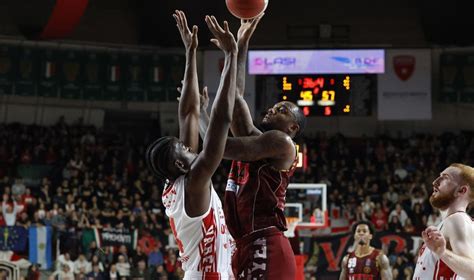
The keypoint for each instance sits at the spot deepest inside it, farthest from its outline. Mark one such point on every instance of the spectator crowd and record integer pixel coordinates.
(86, 178)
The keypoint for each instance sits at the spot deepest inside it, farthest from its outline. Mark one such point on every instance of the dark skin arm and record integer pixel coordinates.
(198, 183)
(274, 145)
(242, 123)
(188, 111)
(204, 116)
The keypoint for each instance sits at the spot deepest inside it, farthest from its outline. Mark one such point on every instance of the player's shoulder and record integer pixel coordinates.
(458, 218)
(172, 192)
(345, 258)
(380, 253)
(277, 138)
(277, 135)
(382, 259)
(456, 224)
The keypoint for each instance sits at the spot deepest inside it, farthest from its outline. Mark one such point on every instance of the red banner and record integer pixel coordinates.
(65, 17)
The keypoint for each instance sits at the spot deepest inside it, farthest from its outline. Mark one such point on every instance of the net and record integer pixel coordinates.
(291, 223)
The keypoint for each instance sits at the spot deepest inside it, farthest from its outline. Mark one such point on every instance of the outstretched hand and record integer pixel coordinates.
(189, 38)
(223, 38)
(247, 27)
(434, 240)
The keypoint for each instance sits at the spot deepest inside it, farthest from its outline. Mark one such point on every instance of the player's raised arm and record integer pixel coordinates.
(242, 123)
(221, 116)
(204, 116)
(188, 110)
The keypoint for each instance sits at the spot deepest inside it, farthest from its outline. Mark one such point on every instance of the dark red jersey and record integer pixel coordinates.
(365, 268)
(255, 197)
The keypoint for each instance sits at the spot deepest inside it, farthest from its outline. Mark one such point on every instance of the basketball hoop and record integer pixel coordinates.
(291, 223)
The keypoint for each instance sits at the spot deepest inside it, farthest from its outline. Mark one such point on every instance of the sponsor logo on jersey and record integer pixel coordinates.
(232, 186)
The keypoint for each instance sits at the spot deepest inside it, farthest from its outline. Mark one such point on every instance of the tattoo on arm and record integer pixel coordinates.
(385, 269)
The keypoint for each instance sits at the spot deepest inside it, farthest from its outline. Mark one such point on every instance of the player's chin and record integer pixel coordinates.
(266, 124)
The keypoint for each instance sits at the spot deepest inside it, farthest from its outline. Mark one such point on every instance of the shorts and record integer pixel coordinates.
(199, 275)
(265, 254)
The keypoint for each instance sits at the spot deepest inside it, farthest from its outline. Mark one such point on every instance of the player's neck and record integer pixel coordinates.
(455, 207)
(363, 250)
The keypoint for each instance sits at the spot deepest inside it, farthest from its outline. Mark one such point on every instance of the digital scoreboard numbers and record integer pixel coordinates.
(328, 95)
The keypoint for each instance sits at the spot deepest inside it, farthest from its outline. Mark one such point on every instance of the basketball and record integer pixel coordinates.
(246, 9)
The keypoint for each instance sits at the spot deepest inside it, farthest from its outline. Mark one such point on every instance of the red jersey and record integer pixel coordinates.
(255, 197)
(379, 221)
(365, 268)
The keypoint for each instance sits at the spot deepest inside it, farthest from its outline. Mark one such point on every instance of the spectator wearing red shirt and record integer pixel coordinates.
(27, 198)
(171, 262)
(379, 219)
(25, 157)
(51, 156)
(2, 220)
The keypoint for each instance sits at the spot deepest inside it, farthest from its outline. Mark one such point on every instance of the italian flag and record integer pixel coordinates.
(114, 73)
(89, 235)
(49, 69)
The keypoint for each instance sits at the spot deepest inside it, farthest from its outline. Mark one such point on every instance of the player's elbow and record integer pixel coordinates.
(223, 113)
(185, 111)
(231, 149)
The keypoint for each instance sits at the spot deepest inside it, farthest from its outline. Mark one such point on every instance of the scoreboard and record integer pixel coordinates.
(326, 82)
(329, 95)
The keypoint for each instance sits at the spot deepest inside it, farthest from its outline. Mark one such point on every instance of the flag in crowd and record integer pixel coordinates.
(40, 248)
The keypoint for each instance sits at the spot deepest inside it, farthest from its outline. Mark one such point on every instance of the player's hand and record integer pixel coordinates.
(356, 241)
(434, 240)
(247, 27)
(223, 38)
(204, 99)
(190, 39)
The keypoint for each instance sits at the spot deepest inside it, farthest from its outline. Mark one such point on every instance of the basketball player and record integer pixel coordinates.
(263, 162)
(195, 211)
(448, 249)
(365, 262)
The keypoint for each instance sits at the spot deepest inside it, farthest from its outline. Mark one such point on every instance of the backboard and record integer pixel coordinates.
(306, 204)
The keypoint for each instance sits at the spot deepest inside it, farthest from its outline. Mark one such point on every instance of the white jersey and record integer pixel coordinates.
(428, 266)
(205, 245)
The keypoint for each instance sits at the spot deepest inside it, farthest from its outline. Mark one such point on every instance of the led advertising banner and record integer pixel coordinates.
(287, 62)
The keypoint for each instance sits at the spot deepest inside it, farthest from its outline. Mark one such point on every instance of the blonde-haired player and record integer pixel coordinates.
(448, 249)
